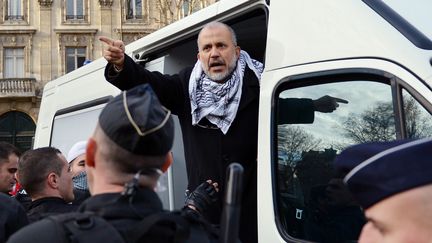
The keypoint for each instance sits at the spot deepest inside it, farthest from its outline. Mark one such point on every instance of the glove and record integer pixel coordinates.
(203, 197)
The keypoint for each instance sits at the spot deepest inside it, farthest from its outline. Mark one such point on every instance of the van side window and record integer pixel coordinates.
(312, 201)
(71, 127)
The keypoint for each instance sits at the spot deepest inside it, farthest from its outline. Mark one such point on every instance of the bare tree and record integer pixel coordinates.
(293, 141)
(417, 125)
(378, 124)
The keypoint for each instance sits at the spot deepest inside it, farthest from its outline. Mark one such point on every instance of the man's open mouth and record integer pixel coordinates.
(216, 64)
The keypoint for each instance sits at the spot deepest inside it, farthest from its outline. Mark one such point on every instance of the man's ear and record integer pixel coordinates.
(168, 161)
(237, 51)
(198, 56)
(90, 152)
(52, 180)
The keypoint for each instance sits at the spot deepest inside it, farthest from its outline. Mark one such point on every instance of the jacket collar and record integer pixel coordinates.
(114, 205)
(47, 201)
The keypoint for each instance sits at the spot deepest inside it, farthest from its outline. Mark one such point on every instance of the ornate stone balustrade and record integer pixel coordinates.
(18, 87)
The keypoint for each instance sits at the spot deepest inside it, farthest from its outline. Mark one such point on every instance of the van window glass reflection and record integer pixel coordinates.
(418, 123)
(313, 202)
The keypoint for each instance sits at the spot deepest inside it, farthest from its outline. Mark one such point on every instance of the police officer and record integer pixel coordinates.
(128, 151)
(392, 182)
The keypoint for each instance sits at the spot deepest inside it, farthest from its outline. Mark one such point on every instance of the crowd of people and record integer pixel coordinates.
(103, 190)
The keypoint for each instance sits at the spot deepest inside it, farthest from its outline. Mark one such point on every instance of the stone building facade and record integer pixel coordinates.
(41, 40)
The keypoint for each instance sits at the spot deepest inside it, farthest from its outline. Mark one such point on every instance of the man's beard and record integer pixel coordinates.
(223, 76)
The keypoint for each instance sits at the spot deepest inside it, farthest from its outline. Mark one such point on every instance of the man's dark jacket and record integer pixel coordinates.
(47, 206)
(12, 216)
(208, 151)
(23, 198)
(120, 212)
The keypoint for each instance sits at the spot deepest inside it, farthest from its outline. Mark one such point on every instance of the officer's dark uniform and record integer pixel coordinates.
(43, 207)
(135, 108)
(12, 216)
(122, 215)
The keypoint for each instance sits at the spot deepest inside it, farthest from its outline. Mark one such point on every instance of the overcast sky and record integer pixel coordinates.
(328, 126)
(417, 12)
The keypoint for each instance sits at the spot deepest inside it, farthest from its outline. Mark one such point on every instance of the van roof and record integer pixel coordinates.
(334, 30)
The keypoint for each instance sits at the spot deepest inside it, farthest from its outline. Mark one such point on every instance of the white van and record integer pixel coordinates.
(360, 51)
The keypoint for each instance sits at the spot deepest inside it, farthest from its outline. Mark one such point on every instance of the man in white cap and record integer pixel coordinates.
(76, 159)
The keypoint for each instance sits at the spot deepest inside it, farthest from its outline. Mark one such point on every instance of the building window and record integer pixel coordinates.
(134, 9)
(75, 57)
(75, 48)
(75, 10)
(14, 10)
(14, 62)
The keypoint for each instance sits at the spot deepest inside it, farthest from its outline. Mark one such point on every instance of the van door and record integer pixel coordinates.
(308, 201)
(172, 197)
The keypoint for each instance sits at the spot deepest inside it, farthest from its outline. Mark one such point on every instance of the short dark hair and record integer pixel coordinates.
(35, 165)
(6, 149)
(124, 161)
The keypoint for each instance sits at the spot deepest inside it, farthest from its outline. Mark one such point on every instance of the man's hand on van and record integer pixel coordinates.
(114, 54)
(203, 197)
(328, 103)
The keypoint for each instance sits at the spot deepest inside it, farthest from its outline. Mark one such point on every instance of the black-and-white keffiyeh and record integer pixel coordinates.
(219, 102)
